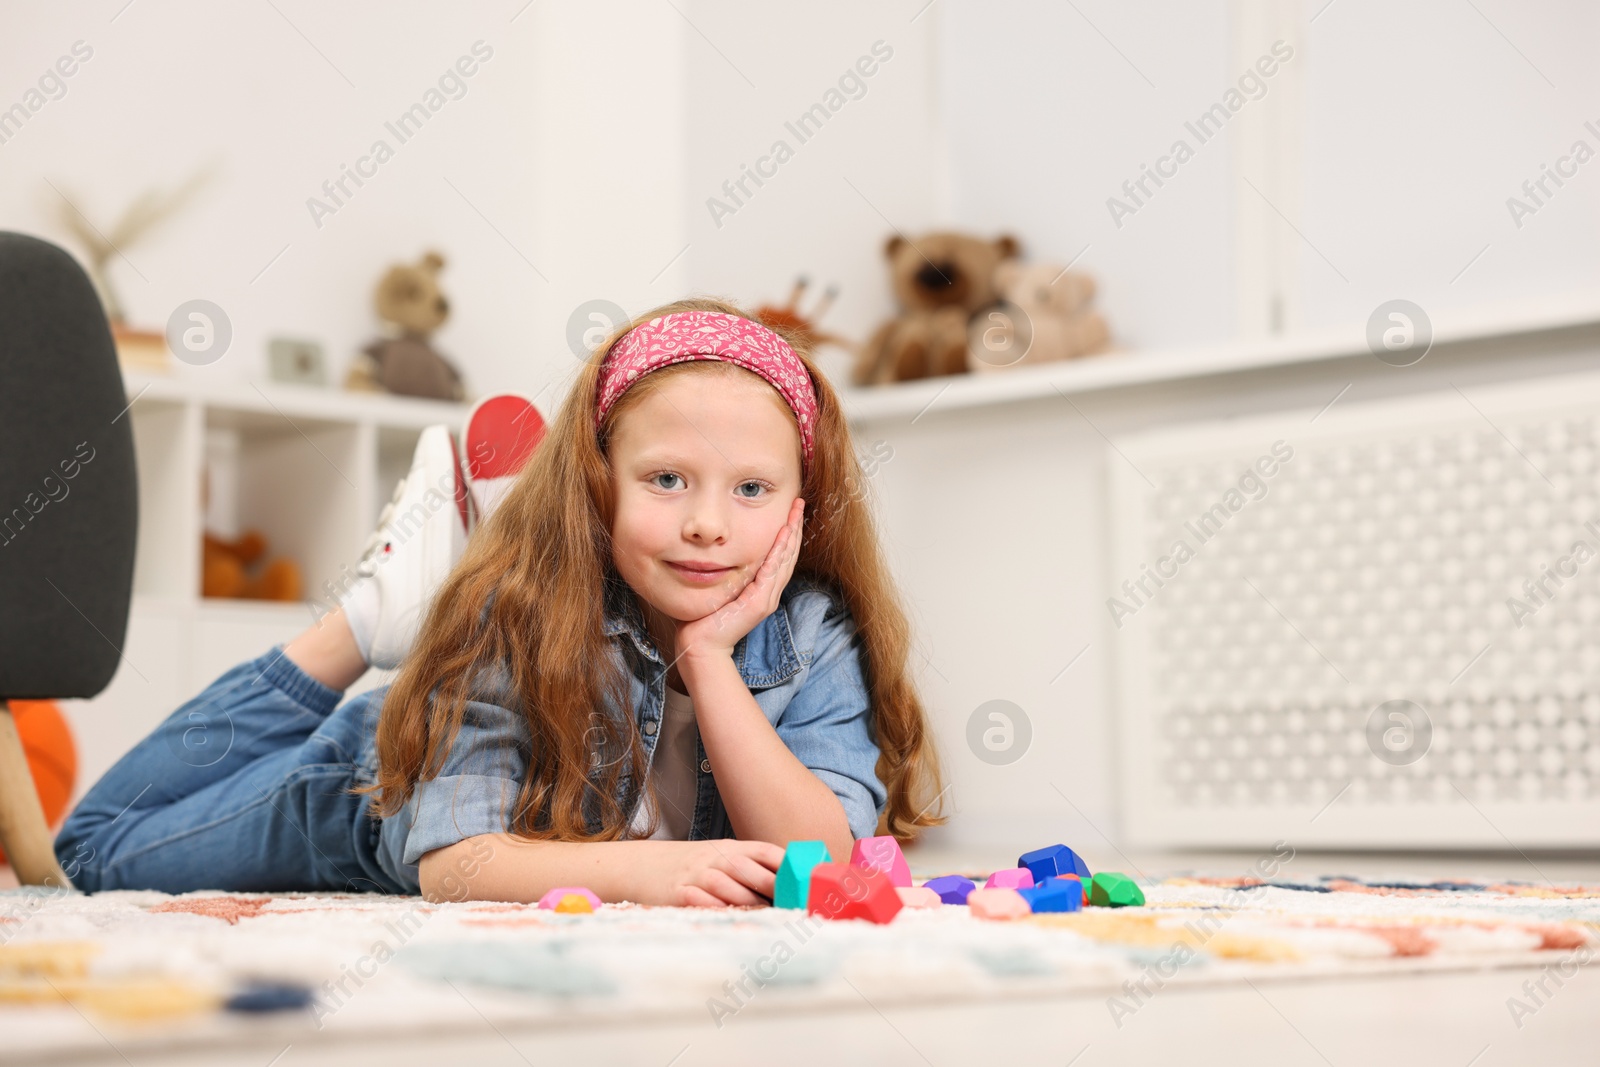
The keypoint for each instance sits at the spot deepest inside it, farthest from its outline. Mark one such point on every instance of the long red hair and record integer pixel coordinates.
(542, 565)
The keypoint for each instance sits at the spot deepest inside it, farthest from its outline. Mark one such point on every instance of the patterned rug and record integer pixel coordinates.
(154, 969)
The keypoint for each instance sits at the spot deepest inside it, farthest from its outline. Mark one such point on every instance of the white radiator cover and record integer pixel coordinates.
(1383, 559)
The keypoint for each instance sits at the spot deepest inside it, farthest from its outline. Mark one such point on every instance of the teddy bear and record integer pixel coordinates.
(941, 280)
(223, 570)
(411, 307)
(1044, 315)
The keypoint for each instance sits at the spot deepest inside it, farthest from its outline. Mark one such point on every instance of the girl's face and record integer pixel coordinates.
(704, 471)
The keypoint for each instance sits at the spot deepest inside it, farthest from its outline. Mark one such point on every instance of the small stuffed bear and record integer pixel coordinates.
(941, 280)
(223, 570)
(409, 303)
(1044, 315)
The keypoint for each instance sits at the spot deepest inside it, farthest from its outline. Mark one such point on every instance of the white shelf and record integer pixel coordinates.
(1121, 369)
(280, 400)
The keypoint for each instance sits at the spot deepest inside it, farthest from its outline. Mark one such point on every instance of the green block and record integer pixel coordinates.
(1112, 890)
(794, 873)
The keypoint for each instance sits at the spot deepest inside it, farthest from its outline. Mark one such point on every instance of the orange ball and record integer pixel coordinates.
(52, 757)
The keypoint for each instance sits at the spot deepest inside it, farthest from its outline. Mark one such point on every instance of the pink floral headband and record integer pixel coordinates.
(686, 335)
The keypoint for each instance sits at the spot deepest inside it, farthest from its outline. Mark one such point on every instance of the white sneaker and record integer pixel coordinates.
(421, 533)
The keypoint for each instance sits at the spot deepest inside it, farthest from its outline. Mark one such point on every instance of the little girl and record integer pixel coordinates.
(671, 648)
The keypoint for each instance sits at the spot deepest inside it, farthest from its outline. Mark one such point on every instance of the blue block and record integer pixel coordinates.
(1045, 863)
(952, 888)
(259, 997)
(794, 873)
(1056, 894)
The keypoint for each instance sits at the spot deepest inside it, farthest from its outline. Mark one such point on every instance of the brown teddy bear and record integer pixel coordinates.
(224, 574)
(1044, 315)
(409, 303)
(941, 280)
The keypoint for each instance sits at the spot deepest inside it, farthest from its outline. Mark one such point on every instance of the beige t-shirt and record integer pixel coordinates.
(672, 769)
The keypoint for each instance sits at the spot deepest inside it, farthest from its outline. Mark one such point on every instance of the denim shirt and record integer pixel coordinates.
(803, 664)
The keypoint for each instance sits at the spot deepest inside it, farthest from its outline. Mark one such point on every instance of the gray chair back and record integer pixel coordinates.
(69, 495)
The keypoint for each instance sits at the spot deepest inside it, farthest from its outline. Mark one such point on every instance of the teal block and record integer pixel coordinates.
(794, 873)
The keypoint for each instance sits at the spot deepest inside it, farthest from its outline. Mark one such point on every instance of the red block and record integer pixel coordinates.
(842, 891)
(1080, 881)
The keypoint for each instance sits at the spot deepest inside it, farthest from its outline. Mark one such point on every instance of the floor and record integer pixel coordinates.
(1455, 1019)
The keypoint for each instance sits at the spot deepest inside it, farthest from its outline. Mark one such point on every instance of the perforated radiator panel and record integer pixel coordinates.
(1377, 625)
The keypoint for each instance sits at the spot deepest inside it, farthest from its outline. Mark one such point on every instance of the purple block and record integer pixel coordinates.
(952, 888)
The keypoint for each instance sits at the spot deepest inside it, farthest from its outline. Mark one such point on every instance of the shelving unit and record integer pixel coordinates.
(309, 467)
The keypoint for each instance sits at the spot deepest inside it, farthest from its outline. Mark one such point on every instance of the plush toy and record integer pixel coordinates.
(941, 280)
(411, 307)
(52, 757)
(1044, 315)
(225, 570)
(790, 317)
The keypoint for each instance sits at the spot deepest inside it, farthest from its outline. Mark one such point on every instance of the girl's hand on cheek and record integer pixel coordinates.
(717, 874)
(717, 633)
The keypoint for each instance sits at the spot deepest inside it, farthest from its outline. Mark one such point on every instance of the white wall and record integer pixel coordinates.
(516, 182)
(1415, 124)
(1047, 120)
(876, 165)
(1422, 119)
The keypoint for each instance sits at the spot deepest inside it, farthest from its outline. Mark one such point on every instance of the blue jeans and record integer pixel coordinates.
(242, 788)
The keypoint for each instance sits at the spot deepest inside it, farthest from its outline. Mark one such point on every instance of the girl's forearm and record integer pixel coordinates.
(768, 793)
(501, 867)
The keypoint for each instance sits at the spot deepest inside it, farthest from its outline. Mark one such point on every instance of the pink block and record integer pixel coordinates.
(998, 904)
(552, 898)
(919, 897)
(882, 854)
(1010, 878)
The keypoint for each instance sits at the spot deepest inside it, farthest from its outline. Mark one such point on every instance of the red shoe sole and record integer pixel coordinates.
(501, 434)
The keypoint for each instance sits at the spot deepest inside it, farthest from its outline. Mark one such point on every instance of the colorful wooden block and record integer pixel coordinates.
(882, 854)
(574, 904)
(794, 873)
(553, 900)
(952, 888)
(1052, 860)
(918, 897)
(1010, 878)
(1053, 894)
(1083, 884)
(1112, 890)
(1000, 903)
(844, 891)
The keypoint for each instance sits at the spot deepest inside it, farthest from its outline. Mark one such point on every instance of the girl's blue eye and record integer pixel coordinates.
(760, 486)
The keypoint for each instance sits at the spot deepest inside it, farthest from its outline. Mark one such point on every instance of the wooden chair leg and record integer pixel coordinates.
(24, 833)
